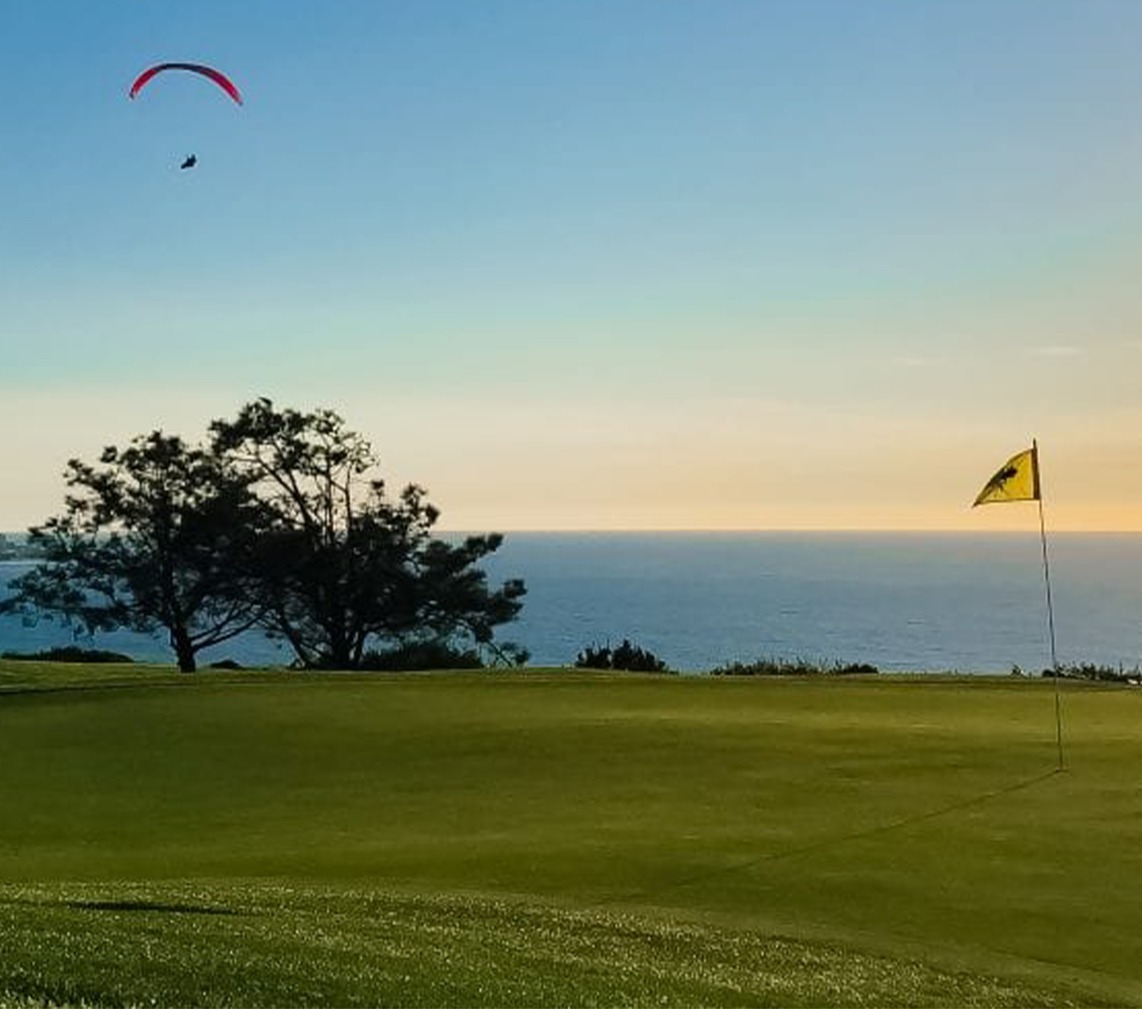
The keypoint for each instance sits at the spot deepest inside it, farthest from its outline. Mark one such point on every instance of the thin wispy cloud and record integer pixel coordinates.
(919, 361)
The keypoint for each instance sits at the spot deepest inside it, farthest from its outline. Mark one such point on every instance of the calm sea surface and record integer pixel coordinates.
(902, 601)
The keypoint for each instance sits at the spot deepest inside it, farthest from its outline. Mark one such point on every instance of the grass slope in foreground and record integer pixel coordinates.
(566, 839)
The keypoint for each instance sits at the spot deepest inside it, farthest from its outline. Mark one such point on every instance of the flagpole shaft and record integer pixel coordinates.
(1051, 628)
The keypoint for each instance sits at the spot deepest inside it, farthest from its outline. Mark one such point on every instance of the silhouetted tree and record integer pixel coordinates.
(156, 535)
(340, 566)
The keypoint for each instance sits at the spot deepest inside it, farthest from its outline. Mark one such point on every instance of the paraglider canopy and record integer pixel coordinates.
(217, 76)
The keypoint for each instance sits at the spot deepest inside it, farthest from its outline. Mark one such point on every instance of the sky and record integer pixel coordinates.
(682, 264)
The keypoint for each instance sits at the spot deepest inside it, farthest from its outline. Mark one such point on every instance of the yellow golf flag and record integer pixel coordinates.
(1017, 480)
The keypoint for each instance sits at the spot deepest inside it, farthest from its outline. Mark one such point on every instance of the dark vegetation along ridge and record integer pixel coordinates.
(626, 657)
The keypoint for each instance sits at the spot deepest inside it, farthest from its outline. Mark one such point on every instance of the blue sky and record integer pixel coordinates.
(591, 265)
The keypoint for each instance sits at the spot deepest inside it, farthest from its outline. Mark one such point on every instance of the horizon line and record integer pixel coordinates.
(737, 530)
(943, 530)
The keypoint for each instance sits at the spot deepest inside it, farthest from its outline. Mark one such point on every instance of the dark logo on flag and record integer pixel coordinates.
(1003, 476)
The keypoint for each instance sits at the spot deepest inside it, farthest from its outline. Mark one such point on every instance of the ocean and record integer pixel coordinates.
(972, 603)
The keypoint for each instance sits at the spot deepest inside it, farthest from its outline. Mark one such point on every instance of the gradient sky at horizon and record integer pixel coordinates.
(573, 265)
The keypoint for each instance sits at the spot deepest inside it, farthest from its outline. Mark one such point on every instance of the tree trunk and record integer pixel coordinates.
(184, 650)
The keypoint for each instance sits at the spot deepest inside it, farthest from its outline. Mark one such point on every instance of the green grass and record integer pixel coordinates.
(556, 838)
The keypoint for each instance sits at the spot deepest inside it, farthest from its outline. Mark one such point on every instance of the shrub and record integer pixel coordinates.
(854, 669)
(627, 657)
(593, 657)
(793, 667)
(1093, 671)
(68, 653)
(420, 655)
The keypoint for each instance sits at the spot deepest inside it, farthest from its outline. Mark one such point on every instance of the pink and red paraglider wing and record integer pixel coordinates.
(217, 76)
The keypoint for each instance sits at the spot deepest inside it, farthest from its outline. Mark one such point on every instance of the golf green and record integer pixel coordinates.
(452, 838)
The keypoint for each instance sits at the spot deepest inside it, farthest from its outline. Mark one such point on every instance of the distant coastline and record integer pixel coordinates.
(15, 547)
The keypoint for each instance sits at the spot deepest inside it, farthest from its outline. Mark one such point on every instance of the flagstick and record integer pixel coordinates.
(1051, 626)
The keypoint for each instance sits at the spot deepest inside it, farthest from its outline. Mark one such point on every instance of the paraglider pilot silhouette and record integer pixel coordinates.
(190, 162)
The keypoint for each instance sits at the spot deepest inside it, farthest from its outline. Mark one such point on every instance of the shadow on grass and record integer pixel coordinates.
(152, 906)
(146, 905)
(833, 842)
